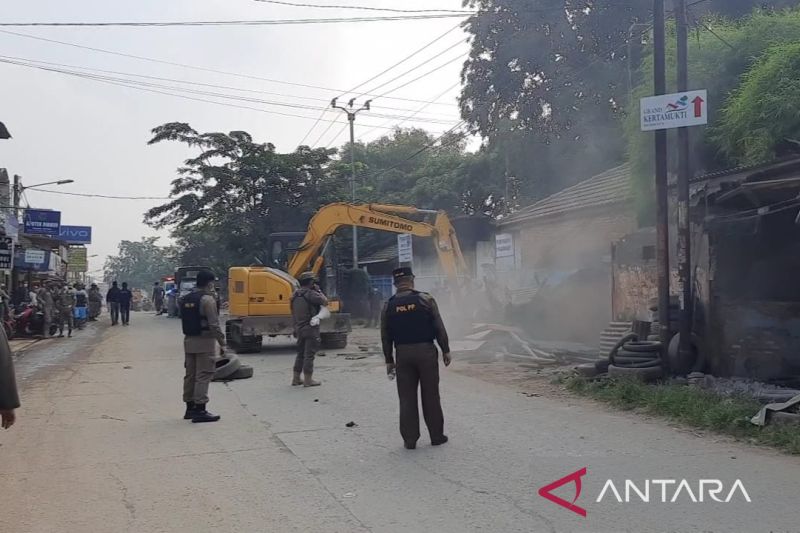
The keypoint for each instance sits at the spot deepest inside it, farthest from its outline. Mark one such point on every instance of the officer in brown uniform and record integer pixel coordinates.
(306, 303)
(410, 322)
(200, 323)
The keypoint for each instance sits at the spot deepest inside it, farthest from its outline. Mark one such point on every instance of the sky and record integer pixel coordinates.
(67, 127)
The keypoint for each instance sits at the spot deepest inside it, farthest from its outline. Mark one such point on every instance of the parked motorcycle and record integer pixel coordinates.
(29, 322)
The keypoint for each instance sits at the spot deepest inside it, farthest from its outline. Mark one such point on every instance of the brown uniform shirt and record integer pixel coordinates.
(208, 339)
(306, 302)
(441, 333)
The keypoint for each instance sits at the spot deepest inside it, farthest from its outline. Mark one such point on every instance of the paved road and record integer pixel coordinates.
(100, 446)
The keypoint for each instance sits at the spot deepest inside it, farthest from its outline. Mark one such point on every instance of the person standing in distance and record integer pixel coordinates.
(306, 303)
(202, 334)
(410, 322)
(112, 299)
(125, 297)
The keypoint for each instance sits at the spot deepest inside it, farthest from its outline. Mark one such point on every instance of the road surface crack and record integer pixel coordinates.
(125, 500)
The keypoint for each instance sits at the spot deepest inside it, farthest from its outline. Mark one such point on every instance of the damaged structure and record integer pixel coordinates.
(746, 240)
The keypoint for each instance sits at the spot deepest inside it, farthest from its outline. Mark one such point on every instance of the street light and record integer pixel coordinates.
(19, 188)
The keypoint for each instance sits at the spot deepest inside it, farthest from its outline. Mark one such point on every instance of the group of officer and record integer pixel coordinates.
(61, 304)
(410, 324)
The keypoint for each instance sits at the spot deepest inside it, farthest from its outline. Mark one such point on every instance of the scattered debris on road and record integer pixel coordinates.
(351, 424)
(787, 412)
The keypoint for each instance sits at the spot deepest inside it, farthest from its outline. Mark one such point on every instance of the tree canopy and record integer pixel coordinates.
(141, 263)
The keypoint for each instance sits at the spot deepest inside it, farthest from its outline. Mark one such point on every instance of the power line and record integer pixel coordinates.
(408, 57)
(417, 67)
(415, 113)
(191, 67)
(192, 82)
(107, 196)
(313, 126)
(151, 87)
(428, 73)
(365, 8)
(336, 137)
(275, 22)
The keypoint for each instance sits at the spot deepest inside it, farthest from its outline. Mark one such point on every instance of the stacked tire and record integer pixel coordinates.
(637, 359)
(230, 368)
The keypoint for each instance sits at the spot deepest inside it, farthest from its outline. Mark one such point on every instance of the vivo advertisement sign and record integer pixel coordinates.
(42, 222)
(76, 234)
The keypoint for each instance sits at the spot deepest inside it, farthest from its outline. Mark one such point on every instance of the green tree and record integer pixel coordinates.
(140, 263)
(236, 192)
(717, 62)
(762, 113)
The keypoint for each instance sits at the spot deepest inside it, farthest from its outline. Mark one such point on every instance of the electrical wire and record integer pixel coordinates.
(417, 67)
(195, 23)
(415, 113)
(181, 91)
(407, 58)
(106, 196)
(191, 67)
(426, 74)
(365, 8)
(336, 137)
(194, 83)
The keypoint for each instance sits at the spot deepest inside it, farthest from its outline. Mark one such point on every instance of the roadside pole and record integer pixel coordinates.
(662, 212)
(684, 171)
(351, 117)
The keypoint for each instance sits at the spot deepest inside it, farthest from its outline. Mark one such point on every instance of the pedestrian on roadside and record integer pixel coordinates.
(9, 398)
(202, 333)
(66, 309)
(306, 303)
(112, 299)
(410, 323)
(125, 299)
(81, 305)
(95, 302)
(33, 298)
(375, 308)
(47, 303)
(158, 298)
(5, 302)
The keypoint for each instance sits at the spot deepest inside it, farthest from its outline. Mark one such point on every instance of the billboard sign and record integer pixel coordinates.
(76, 234)
(78, 260)
(6, 253)
(504, 245)
(42, 222)
(405, 250)
(678, 110)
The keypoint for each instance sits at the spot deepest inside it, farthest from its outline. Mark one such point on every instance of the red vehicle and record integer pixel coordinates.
(28, 322)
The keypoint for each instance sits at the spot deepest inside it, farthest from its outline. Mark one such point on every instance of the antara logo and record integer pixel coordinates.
(649, 491)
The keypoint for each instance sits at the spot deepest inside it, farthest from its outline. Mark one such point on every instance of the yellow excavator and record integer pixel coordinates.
(259, 296)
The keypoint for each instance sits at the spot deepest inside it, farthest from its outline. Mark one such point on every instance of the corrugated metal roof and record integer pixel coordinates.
(610, 187)
(386, 254)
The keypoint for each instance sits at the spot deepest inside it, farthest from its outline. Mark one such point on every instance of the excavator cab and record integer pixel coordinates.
(282, 247)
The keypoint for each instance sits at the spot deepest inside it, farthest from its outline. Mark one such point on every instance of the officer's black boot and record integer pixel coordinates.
(438, 441)
(190, 409)
(200, 415)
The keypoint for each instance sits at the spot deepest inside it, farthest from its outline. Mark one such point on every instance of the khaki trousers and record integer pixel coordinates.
(418, 369)
(200, 369)
(307, 346)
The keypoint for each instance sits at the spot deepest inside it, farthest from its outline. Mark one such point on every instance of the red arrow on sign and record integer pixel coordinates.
(698, 106)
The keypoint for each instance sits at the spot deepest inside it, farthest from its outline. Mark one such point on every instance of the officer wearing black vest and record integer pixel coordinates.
(202, 334)
(410, 322)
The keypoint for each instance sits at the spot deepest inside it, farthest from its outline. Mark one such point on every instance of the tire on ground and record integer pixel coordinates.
(642, 346)
(333, 341)
(243, 372)
(226, 367)
(644, 374)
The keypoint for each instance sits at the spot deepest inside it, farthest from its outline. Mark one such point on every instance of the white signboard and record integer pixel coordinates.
(34, 257)
(504, 245)
(677, 110)
(405, 250)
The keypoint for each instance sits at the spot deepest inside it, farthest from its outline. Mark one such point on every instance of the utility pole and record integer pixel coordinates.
(351, 117)
(684, 171)
(662, 211)
(16, 194)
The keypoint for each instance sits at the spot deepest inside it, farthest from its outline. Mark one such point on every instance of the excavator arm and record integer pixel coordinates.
(380, 217)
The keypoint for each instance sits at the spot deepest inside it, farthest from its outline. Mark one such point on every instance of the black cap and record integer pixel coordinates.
(402, 272)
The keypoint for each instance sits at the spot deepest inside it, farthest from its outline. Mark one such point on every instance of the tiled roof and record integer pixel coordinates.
(610, 187)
